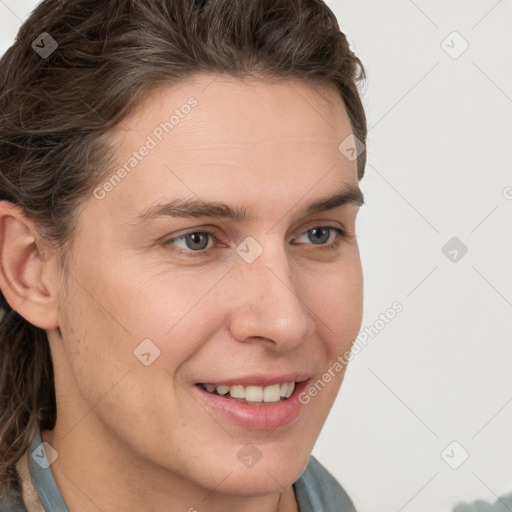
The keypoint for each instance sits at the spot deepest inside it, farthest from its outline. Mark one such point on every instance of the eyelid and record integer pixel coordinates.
(323, 224)
(213, 230)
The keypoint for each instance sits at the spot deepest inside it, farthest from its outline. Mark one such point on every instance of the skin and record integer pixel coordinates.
(131, 437)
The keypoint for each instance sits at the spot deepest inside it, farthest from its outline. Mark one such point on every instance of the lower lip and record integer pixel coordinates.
(260, 416)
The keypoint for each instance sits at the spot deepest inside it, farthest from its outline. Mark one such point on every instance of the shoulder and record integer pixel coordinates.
(502, 504)
(317, 490)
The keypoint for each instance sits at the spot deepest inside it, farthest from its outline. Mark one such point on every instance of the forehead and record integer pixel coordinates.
(237, 112)
(245, 142)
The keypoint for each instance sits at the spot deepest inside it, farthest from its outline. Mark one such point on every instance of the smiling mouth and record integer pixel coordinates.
(252, 394)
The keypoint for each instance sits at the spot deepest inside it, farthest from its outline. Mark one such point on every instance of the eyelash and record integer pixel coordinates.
(342, 235)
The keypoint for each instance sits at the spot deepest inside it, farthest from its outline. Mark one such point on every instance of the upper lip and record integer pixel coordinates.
(260, 379)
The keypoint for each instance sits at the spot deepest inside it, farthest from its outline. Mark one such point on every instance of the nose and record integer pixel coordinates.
(267, 302)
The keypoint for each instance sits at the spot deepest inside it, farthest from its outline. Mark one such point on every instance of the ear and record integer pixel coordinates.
(23, 270)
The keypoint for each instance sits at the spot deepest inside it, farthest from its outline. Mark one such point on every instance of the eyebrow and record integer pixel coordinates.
(188, 208)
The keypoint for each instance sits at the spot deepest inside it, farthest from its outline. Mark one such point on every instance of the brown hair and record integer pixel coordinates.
(56, 108)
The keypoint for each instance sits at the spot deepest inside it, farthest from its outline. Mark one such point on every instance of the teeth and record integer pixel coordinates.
(272, 393)
(254, 393)
(237, 391)
(222, 390)
(287, 389)
(267, 394)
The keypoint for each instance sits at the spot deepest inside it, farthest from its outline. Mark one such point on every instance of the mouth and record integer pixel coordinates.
(255, 403)
(252, 394)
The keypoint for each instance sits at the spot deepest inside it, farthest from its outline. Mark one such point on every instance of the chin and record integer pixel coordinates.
(270, 474)
(258, 480)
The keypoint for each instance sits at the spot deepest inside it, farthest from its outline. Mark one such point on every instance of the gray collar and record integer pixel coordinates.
(42, 477)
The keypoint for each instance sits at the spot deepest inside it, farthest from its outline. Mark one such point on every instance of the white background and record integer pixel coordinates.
(439, 164)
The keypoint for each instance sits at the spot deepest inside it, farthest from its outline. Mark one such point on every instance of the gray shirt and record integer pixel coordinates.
(316, 490)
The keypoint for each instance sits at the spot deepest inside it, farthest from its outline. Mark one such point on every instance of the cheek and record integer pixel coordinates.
(335, 300)
(179, 311)
(130, 307)
(102, 326)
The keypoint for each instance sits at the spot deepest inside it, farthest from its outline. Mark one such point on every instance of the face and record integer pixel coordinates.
(160, 304)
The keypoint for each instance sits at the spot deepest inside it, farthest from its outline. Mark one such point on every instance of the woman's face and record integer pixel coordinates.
(273, 295)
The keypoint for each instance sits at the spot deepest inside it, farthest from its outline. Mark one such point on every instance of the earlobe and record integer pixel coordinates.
(22, 268)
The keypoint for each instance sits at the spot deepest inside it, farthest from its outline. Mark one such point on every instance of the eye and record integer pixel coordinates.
(320, 235)
(195, 241)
